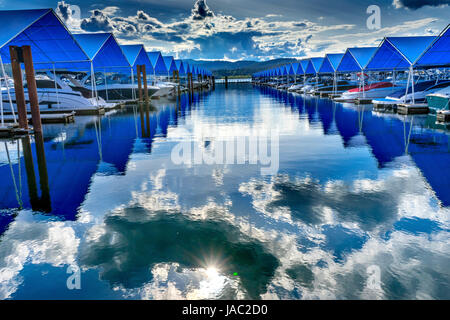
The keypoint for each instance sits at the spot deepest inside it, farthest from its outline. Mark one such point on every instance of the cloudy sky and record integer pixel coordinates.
(248, 29)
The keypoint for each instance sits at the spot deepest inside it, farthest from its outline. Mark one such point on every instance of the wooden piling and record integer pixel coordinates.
(32, 88)
(178, 82)
(29, 169)
(138, 67)
(44, 203)
(144, 78)
(226, 82)
(16, 58)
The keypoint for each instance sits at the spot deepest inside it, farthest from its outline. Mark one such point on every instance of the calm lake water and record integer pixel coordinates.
(358, 208)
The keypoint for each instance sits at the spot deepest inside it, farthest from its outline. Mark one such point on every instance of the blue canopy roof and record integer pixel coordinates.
(50, 41)
(296, 69)
(103, 50)
(398, 53)
(438, 53)
(180, 66)
(304, 64)
(331, 62)
(136, 55)
(159, 66)
(356, 59)
(187, 67)
(170, 64)
(314, 65)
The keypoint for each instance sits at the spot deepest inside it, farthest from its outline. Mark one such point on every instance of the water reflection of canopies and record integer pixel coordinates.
(387, 137)
(71, 156)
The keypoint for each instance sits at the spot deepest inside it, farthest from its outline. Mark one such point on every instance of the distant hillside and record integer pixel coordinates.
(239, 68)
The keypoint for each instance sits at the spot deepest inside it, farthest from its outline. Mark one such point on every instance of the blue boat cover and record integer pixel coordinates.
(398, 53)
(52, 45)
(331, 62)
(314, 65)
(159, 67)
(170, 64)
(136, 55)
(180, 66)
(438, 54)
(103, 50)
(356, 59)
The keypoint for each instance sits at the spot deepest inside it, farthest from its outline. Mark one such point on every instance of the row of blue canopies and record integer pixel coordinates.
(392, 54)
(54, 47)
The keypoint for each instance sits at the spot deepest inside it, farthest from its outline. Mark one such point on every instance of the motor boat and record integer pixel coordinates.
(341, 86)
(421, 90)
(57, 91)
(439, 100)
(372, 91)
(295, 87)
(117, 88)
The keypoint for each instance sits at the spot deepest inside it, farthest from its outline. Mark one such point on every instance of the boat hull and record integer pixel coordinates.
(438, 102)
(48, 99)
(123, 94)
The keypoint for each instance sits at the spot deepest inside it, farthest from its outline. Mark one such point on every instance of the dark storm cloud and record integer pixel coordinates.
(417, 4)
(201, 10)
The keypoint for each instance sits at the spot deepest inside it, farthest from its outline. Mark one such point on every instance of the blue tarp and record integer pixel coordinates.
(304, 65)
(331, 62)
(50, 41)
(170, 64)
(180, 67)
(398, 53)
(159, 67)
(136, 55)
(103, 50)
(314, 66)
(438, 54)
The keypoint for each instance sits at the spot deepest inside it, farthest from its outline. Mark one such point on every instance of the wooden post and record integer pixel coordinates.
(32, 88)
(226, 82)
(16, 57)
(29, 169)
(144, 78)
(138, 67)
(44, 203)
(213, 83)
(179, 84)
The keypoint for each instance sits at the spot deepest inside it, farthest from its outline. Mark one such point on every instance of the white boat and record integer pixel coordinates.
(295, 87)
(165, 89)
(372, 91)
(440, 100)
(117, 88)
(421, 90)
(62, 92)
